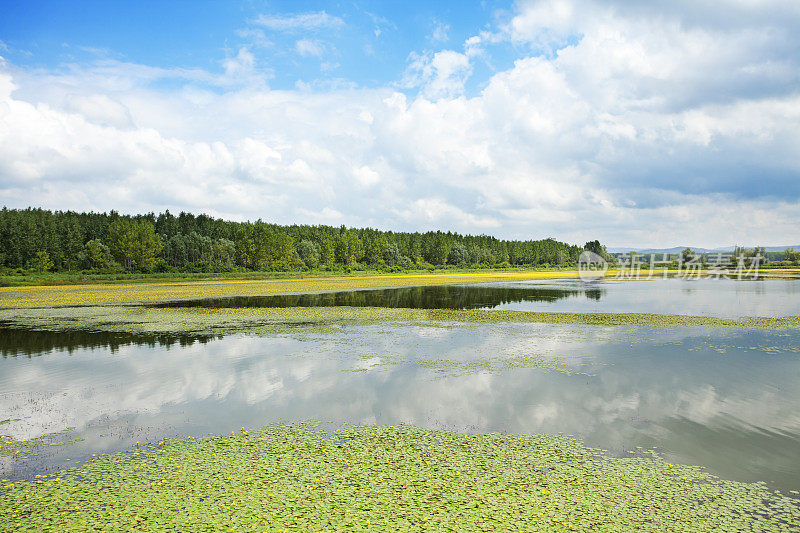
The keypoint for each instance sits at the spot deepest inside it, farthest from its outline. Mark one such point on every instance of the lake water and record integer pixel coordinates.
(706, 297)
(727, 399)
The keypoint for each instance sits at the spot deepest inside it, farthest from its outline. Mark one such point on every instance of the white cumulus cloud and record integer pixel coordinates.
(635, 124)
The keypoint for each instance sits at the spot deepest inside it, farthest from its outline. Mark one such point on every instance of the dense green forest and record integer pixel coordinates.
(42, 240)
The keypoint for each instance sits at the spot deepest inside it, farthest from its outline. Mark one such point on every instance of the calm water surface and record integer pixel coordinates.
(724, 398)
(707, 297)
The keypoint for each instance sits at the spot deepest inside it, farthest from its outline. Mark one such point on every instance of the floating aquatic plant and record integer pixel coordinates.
(22, 449)
(386, 478)
(202, 321)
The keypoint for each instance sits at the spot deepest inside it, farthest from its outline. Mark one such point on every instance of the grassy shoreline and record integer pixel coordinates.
(386, 478)
(82, 278)
(88, 278)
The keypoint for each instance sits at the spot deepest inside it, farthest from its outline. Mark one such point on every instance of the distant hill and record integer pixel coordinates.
(679, 249)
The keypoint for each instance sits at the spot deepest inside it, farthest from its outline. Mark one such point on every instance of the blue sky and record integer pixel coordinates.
(638, 123)
(362, 42)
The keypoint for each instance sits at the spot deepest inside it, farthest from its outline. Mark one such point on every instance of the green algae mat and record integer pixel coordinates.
(268, 321)
(386, 478)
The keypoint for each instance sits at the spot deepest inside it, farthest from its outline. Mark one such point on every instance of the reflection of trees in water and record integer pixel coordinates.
(22, 341)
(594, 294)
(15, 341)
(430, 297)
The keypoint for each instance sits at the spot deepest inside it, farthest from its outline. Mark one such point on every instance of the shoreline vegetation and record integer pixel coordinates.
(386, 478)
(93, 278)
(29, 279)
(65, 290)
(126, 307)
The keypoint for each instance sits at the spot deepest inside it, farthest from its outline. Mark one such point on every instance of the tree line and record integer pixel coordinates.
(43, 240)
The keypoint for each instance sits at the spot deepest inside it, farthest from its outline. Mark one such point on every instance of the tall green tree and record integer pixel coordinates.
(42, 262)
(281, 251)
(309, 253)
(349, 248)
(374, 248)
(134, 244)
(95, 254)
(458, 255)
(327, 250)
(245, 246)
